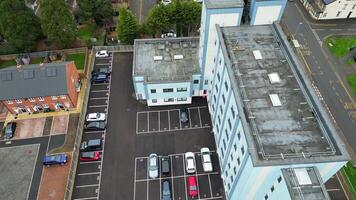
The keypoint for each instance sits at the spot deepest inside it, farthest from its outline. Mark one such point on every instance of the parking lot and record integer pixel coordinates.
(87, 180)
(209, 183)
(169, 120)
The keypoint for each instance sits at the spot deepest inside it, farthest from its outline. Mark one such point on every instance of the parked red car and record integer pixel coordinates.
(192, 186)
(89, 156)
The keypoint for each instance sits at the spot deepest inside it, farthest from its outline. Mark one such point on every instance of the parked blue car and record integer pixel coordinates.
(100, 78)
(55, 159)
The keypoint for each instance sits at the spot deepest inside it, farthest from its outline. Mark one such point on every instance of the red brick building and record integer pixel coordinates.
(39, 88)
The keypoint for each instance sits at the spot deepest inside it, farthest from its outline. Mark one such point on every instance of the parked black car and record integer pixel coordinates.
(103, 70)
(9, 131)
(91, 145)
(100, 78)
(166, 165)
(95, 126)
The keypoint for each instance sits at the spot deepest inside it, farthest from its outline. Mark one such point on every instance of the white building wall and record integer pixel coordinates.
(267, 14)
(339, 10)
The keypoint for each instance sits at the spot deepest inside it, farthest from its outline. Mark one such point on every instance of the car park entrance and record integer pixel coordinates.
(209, 184)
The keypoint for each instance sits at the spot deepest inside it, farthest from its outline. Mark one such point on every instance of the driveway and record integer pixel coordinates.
(29, 128)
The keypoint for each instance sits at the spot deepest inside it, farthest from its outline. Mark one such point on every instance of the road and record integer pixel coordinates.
(332, 86)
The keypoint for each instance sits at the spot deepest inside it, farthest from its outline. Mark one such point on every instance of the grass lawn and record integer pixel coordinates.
(340, 46)
(78, 58)
(7, 63)
(87, 32)
(350, 175)
(36, 60)
(351, 79)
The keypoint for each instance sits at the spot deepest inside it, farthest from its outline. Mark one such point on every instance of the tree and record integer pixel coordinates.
(100, 11)
(19, 25)
(127, 27)
(57, 22)
(159, 18)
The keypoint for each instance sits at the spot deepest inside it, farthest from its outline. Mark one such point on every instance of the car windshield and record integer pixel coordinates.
(206, 157)
(193, 187)
(153, 162)
(93, 124)
(54, 158)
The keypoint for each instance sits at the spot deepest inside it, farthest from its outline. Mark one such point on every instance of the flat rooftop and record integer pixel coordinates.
(304, 183)
(166, 59)
(282, 123)
(224, 3)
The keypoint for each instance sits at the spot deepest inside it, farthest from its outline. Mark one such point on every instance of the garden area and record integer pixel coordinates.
(351, 79)
(349, 172)
(340, 46)
(88, 32)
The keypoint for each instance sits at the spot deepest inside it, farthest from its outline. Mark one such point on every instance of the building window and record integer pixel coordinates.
(182, 89)
(63, 96)
(218, 75)
(206, 82)
(221, 110)
(235, 147)
(9, 102)
(168, 90)
(216, 88)
(338, 14)
(231, 179)
(182, 99)
(219, 120)
(235, 172)
(222, 153)
(18, 101)
(226, 86)
(169, 100)
(214, 62)
(219, 61)
(353, 7)
(214, 98)
(242, 150)
(266, 197)
(239, 135)
(231, 157)
(153, 91)
(226, 135)
(40, 99)
(196, 81)
(154, 100)
(215, 43)
(228, 186)
(228, 165)
(272, 188)
(224, 143)
(54, 97)
(325, 14)
(217, 128)
(233, 112)
(238, 161)
(229, 123)
(223, 98)
(279, 179)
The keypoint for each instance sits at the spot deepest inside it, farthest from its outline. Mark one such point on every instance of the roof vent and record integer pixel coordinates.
(257, 54)
(302, 176)
(155, 58)
(274, 78)
(275, 100)
(178, 57)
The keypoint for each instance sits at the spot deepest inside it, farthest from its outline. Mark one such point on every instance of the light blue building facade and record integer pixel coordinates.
(266, 12)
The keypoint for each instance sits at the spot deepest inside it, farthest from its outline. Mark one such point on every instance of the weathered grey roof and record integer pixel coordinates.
(285, 121)
(214, 4)
(33, 81)
(167, 59)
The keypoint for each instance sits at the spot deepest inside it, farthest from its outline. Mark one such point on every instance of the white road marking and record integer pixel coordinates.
(169, 121)
(98, 98)
(83, 186)
(95, 91)
(98, 106)
(172, 176)
(134, 196)
(159, 121)
(185, 180)
(211, 190)
(201, 124)
(86, 198)
(147, 186)
(332, 190)
(89, 162)
(90, 173)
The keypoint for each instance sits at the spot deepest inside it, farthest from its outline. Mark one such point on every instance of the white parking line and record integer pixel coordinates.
(90, 173)
(95, 91)
(332, 190)
(86, 198)
(83, 186)
(185, 179)
(134, 196)
(181, 176)
(172, 176)
(190, 118)
(89, 162)
(93, 131)
(211, 190)
(98, 98)
(159, 121)
(201, 124)
(148, 183)
(100, 84)
(183, 129)
(169, 121)
(98, 106)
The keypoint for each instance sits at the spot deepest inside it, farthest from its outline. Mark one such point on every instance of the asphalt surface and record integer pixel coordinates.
(124, 144)
(87, 180)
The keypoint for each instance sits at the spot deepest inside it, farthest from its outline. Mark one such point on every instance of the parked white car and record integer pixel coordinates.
(102, 54)
(189, 162)
(206, 159)
(153, 166)
(96, 117)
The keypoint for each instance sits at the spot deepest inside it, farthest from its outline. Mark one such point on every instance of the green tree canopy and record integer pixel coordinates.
(57, 22)
(18, 24)
(183, 15)
(101, 11)
(127, 26)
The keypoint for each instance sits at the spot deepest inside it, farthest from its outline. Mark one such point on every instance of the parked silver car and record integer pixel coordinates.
(153, 166)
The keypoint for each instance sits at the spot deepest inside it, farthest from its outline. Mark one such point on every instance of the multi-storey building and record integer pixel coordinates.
(330, 9)
(37, 88)
(274, 138)
(166, 71)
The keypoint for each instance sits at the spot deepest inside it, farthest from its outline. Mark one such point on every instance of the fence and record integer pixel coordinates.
(44, 53)
(117, 48)
(79, 133)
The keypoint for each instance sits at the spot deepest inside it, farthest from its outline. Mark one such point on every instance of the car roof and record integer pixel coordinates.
(206, 157)
(88, 154)
(191, 179)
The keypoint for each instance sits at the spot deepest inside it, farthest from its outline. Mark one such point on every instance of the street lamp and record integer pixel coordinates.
(296, 30)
